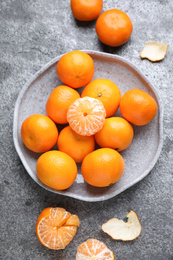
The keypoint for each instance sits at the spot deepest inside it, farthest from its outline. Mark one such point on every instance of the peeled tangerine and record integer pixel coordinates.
(86, 116)
(93, 249)
(154, 51)
(56, 227)
(120, 230)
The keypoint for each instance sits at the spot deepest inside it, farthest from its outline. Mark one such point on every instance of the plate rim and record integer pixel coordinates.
(71, 195)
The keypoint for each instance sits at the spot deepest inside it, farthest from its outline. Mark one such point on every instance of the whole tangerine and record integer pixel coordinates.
(138, 107)
(56, 169)
(58, 103)
(117, 133)
(106, 91)
(86, 10)
(75, 145)
(75, 69)
(114, 27)
(102, 167)
(39, 133)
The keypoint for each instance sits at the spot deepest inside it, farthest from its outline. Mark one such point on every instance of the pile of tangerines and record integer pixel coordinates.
(90, 118)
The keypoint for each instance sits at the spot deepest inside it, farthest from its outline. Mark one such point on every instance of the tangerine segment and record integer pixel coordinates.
(86, 116)
(86, 10)
(106, 91)
(75, 69)
(102, 167)
(75, 145)
(94, 249)
(53, 229)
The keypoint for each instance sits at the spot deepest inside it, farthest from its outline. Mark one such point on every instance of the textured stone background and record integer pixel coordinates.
(31, 34)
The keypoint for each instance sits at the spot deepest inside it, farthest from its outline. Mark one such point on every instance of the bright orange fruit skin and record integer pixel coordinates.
(75, 145)
(75, 69)
(55, 227)
(56, 169)
(117, 133)
(86, 10)
(58, 103)
(106, 91)
(102, 167)
(39, 133)
(114, 27)
(138, 107)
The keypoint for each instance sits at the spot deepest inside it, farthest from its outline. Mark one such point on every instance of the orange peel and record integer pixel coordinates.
(120, 230)
(154, 51)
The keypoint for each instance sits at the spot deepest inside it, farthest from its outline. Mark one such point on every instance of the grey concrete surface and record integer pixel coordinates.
(31, 34)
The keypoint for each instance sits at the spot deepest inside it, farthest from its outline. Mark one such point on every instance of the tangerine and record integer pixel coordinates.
(58, 103)
(94, 249)
(117, 133)
(106, 91)
(138, 107)
(75, 69)
(102, 167)
(56, 169)
(56, 227)
(39, 133)
(86, 10)
(114, 27)
(86, 116)
(75, 145)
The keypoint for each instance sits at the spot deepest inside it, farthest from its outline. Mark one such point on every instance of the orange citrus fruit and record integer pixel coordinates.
(75, 145)
(114, 27)
(86, 116)
(58, 103)
(39, 133)
(117, 133)
(102, 167)
(138, 107)
(75, 69)
(86, 10)
(56, 227)
(94, 249)
(56, 169)
(106, 91)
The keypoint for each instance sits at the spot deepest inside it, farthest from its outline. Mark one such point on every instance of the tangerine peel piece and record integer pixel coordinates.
(154, 51)
(120, 230)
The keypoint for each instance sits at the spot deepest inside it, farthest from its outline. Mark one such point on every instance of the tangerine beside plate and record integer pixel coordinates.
(139, 158)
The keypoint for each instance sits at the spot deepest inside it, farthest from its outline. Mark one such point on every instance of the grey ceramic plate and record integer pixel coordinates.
(139, 158)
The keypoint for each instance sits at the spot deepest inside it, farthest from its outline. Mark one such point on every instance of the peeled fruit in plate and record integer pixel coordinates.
(86, 116)
(56, 227)
(120, 230)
